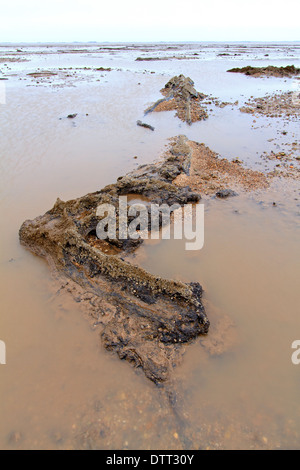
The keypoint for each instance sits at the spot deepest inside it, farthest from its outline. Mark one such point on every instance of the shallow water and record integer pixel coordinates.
(59, 388)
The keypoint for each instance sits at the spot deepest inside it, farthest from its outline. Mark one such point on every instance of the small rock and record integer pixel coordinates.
(224, 193)
(143, 124)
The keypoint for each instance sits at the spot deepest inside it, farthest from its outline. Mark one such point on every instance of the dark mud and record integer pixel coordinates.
(150, 59)
(180, 95)
(269, 71)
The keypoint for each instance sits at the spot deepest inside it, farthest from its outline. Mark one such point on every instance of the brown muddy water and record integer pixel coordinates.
(235, 388)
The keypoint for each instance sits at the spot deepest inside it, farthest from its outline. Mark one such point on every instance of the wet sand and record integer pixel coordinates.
(60, 388)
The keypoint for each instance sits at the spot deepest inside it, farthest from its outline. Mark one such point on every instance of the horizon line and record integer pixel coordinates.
(151, 42)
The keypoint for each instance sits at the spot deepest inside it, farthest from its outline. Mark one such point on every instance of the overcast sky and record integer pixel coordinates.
(149, 20)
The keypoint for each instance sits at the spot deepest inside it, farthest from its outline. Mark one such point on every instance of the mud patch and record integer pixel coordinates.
(180, 57)
(209, 174)
(270, 71)
(4, 60)
(45, 73)
(285, 105)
